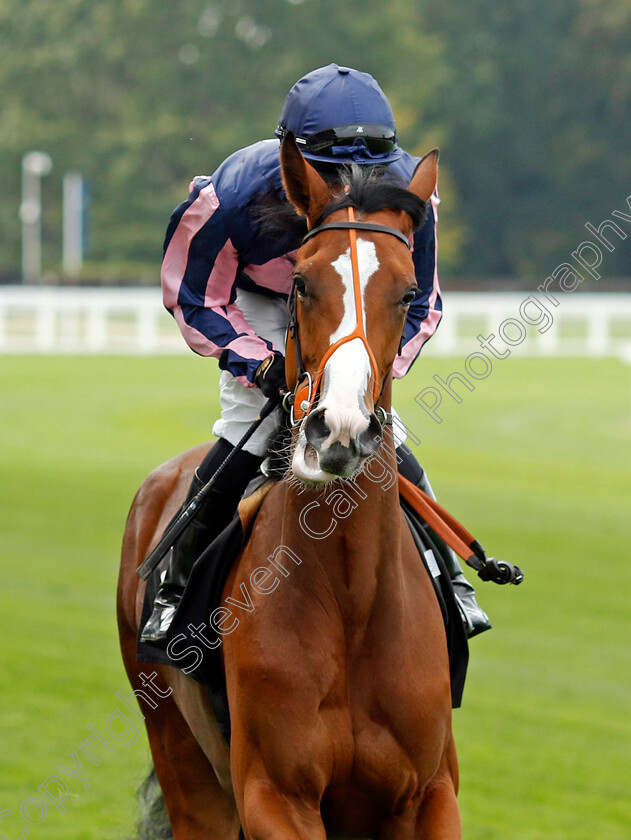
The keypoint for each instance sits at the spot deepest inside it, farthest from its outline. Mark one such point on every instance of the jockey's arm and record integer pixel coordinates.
(199, 271)
(426, 309)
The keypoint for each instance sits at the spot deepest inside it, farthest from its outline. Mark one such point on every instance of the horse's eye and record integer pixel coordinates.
(408, 297)
(300, 287)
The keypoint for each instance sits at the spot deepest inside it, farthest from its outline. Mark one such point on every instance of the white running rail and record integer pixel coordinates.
(86, 320)
(133, 320)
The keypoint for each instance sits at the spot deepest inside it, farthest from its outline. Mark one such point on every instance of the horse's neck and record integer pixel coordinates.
(352, 532)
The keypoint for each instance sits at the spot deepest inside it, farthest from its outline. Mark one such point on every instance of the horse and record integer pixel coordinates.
(336, 664)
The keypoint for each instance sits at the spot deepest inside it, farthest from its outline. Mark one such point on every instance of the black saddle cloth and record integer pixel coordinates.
(198, 654)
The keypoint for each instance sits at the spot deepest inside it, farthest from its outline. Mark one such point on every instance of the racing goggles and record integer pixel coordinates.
(378, 139)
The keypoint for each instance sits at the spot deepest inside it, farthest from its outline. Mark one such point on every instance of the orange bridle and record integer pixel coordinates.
(308, 387)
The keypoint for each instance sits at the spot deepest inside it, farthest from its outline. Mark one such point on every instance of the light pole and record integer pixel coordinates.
(72, 224)
(35, 165)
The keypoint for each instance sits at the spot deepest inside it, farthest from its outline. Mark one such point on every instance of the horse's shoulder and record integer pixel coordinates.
(262, 515)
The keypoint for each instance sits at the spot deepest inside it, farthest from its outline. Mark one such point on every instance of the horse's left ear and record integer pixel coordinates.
(306, 190)
(425, 176)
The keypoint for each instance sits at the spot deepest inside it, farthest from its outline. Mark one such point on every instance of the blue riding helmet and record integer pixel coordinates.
(340, 115)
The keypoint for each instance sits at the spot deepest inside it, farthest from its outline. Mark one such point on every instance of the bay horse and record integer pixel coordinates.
(337, 675)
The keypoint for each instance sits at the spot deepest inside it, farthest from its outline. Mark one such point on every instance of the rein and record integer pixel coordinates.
(301, 400)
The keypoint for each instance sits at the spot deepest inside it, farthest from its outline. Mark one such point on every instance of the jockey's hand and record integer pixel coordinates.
(270, 377)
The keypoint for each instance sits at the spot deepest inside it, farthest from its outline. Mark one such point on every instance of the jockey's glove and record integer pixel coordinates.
(270, 377)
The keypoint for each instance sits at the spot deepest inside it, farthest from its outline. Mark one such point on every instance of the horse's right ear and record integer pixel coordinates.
(306, 190)
(425, 176)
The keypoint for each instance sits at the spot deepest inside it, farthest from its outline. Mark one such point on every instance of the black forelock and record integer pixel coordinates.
(369, 191)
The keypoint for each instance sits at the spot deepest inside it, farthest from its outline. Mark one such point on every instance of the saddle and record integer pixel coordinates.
(195, 647)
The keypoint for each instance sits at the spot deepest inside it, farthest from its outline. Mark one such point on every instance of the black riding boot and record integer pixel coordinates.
(214, 515)
(474, 618)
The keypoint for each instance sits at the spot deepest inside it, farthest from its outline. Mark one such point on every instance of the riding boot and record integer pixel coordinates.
(214, 514)
(473, 616)
(181, 557)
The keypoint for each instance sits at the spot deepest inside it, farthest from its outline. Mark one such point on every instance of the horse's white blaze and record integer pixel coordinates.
(347, 372)
(368, 265)
(346, 377)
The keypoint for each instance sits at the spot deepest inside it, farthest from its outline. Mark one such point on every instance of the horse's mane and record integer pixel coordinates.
(276, 218)
(367, 189)
(370, 191)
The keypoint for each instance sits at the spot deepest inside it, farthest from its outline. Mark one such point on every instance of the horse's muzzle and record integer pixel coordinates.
(339, 452)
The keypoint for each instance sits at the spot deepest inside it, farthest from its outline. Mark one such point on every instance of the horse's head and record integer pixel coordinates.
(351, 293)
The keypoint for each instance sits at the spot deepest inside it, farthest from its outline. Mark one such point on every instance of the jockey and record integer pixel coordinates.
(226, 278)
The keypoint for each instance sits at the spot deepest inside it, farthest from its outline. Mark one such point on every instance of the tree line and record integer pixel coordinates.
(530, 103)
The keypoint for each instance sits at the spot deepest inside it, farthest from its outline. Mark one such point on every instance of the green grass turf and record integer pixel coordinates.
(536, 462)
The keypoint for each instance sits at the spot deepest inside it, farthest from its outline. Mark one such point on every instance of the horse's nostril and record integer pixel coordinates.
(316, 428)
(369, 441)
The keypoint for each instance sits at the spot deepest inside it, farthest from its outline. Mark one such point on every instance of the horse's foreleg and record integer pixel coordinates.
(198, 807)
(439, 815)
(271, 814)
(278, 791)
(436, 816)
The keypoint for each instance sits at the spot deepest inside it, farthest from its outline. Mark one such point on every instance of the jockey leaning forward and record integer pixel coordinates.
(226, 280)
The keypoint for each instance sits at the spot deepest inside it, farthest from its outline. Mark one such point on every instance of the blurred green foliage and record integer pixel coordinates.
(529, 102)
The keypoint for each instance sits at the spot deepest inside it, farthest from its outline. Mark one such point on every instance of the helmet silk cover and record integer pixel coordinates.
(339, 96)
